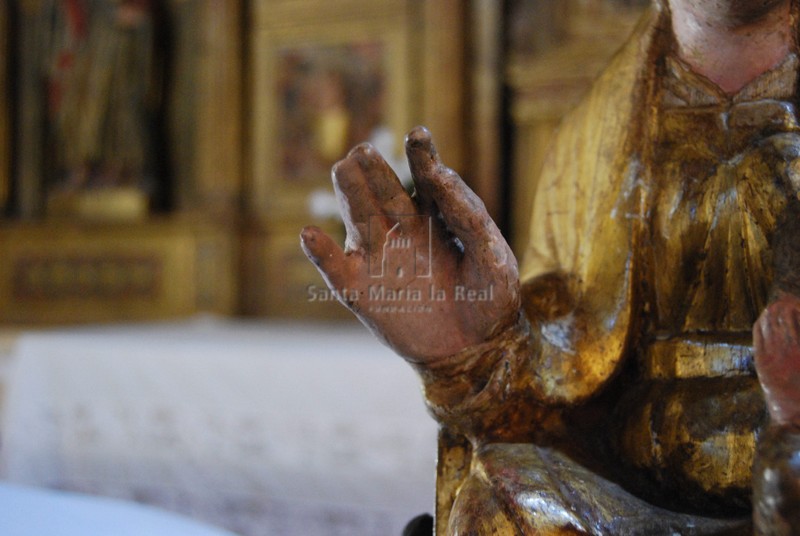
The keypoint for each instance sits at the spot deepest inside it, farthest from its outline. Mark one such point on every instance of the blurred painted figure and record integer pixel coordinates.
(101, 93)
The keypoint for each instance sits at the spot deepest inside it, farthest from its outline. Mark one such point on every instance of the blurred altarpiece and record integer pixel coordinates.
(160, 161)
(125, 166)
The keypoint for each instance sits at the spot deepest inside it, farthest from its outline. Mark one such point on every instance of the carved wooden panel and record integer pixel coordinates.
(52, 273)
(64, 277)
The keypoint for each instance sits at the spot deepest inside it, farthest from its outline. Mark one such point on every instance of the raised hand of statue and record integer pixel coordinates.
(431, 273)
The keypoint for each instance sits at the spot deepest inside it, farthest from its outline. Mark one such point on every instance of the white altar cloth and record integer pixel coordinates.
(261, 428)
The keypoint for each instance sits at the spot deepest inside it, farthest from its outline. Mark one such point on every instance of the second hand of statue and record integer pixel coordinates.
(457, 282)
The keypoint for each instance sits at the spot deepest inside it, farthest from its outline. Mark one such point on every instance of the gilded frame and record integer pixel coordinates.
(286, 25)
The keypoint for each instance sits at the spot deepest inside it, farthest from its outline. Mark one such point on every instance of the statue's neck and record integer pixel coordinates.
(731, 55)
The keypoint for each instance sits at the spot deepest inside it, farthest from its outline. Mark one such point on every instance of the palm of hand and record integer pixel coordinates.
(431, 274)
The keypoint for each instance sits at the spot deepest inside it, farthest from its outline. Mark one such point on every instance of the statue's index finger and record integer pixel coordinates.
(382, 181)
(370, 196)
(463, 211)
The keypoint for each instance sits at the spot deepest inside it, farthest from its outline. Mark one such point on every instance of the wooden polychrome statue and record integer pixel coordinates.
(640, 375)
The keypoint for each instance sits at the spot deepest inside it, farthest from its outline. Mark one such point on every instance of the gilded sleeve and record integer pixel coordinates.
(578, 277)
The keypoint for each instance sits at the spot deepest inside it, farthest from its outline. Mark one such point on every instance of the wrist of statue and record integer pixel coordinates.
(505, 337)
(462, 391)
(472, 360)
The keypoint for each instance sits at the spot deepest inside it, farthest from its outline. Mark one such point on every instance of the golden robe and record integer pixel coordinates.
(649, 261)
